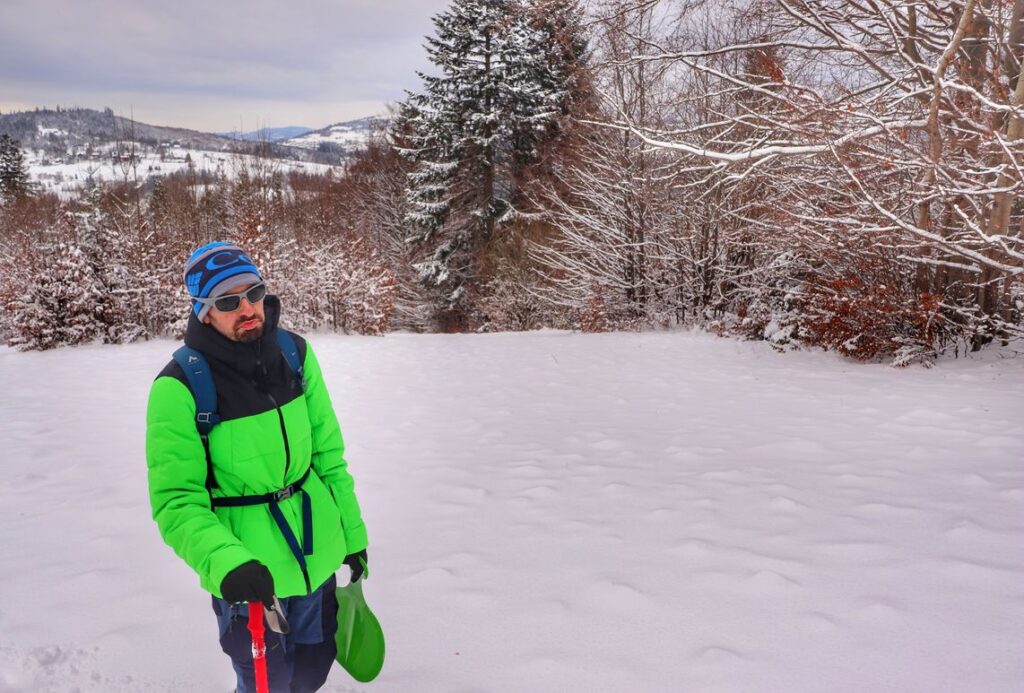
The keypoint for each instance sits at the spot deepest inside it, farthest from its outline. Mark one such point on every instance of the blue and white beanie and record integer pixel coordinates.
(216, 269)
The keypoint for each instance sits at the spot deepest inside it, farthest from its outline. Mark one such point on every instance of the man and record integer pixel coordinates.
(263, 504)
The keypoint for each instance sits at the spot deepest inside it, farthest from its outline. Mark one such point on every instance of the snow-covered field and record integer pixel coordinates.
(562, 512)
(351, 135)
(67, 179)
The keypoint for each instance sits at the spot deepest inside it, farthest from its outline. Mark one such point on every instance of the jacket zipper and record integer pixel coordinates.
(284, 435)
(277, 408)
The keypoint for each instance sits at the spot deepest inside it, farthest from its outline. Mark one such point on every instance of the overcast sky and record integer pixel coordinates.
(214, 64)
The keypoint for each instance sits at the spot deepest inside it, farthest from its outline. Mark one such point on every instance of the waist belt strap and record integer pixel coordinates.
(273, 501)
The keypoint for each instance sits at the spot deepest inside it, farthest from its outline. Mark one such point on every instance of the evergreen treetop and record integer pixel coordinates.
(14, 178)
(502, 82)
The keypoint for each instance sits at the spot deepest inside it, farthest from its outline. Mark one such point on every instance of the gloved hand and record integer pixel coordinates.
(357, 562)
(249, 582)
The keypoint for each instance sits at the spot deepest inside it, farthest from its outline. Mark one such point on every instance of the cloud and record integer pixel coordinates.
(254, 53)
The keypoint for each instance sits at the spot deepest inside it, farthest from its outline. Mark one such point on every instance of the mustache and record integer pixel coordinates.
(238, 323)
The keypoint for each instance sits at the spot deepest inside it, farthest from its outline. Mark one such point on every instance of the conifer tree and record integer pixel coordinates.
(558, 65)
(472, 129)
(14, 179)
(63, 306)
(106, 249)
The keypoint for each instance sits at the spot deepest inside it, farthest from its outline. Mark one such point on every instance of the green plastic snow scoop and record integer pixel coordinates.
(359, 638)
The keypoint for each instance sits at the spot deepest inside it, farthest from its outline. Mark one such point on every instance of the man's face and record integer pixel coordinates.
(242, 325)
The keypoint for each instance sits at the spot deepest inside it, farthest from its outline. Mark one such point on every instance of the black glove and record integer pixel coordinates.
(357, 563)
(249, 582)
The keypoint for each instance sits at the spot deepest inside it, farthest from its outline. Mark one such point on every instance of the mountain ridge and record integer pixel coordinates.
(67, 148)
(63, 132)
(268, 134)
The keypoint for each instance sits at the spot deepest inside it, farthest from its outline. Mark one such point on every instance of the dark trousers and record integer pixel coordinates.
(296, 663)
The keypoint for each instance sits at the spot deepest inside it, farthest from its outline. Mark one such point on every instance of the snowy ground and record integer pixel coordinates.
(67, 179)
(560, 512)
(351, 135)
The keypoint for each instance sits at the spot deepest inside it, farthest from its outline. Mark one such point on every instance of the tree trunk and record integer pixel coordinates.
(989, 292)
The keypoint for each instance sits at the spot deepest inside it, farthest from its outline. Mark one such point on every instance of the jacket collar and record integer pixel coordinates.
(240, 356)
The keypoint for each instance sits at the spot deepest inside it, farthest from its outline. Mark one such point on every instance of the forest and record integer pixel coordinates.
(819, 173)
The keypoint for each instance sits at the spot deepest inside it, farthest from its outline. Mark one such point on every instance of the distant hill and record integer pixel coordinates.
(340, 138)
(60, 133)
(268, 134)
(66, 148)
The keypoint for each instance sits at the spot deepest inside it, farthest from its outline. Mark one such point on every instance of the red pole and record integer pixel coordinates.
(259, 646)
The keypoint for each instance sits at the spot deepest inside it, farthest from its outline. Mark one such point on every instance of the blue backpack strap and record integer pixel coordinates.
(197, 372)
(286, 341)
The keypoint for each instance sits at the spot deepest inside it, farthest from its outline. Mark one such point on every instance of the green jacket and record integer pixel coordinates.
(270, 433)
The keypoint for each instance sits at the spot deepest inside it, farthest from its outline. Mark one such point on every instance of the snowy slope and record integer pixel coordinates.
(345, 137)
(63, 149)
(561, 512)
(66, 179)
(268, 134)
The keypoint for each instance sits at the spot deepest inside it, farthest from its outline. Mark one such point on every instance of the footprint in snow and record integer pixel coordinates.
(528, 469)
(718, 653)
(607, 445)
(468, 494)
(976, 479)
(819, 621)
(792, 448)
(539, 491)
(475, 599)
(616, 595)
(771, 580)
(856, 550)
(692, 548)
(978, 572)
(731, 476)
(882, 611)
(786, 504)
(680, 453)
(887, 510)
(431, 575)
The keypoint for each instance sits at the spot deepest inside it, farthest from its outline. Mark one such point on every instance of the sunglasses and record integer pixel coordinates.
(230, 303)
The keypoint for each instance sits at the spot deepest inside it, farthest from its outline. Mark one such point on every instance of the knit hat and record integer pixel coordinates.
(216, 269)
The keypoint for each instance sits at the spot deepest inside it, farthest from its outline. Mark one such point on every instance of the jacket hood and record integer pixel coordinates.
(244, 357)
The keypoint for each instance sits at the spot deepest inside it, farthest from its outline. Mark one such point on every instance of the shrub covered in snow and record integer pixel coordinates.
(62, 305)
(868, 321)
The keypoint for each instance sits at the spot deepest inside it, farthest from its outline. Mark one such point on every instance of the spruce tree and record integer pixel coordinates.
(14, 179)
(110, 245)
(561, 64)
(471, 130)
(62, 306)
